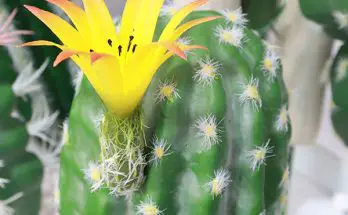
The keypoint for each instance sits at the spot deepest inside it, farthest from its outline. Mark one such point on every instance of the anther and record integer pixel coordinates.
(119, 50)
(130, 42)
(110, 42)
(134, 47)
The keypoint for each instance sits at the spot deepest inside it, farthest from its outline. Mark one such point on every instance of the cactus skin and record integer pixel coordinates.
(339, 81)
(323, 13)
(178, 183)
(261, 14)
(85, 148)
(23, 169)
(58, 80)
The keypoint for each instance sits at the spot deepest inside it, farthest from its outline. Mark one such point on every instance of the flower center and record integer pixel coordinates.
(232, 17)
(159, 152)
(268, 64)
(150, 210)
(209, 130)
(283, 199)
(228, 37)
(252, 92)
(215, 187)
(208, 70)
(95, 174)
(167, 91)
(283, 117)
(260, 155)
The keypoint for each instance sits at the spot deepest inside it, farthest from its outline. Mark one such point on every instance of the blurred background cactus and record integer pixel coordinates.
(33, 103)
(217, 126)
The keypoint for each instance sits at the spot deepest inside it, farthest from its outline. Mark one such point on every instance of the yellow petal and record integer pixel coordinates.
(179, 17)
(101, 26)
(84, 61)
(76, 14)
(63, 30)
(42, 43)
(129, 17)
(146, 20)
(165, 57)
(112, 91)
(188, 25)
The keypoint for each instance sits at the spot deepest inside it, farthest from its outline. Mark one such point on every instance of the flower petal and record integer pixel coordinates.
(129, 17)
(75, 13)
(175, 49)
(146, 20)
(101, 26)
(184, 48)
(179, 17)
(42, 43)
(188, 25)
(63, 30)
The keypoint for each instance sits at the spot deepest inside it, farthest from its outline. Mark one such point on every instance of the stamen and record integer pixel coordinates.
(91, 50)
(110, 42)
(130, 42)
(134, 47)
(119, 50)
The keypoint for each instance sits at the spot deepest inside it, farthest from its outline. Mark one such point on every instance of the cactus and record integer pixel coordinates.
(339, 71)
(21, 171)
(261, 14)
(204, 131)
(331, 14)
(29, 133)
(53, 79)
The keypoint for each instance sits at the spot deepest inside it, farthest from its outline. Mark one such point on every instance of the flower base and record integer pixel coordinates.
(122, 142)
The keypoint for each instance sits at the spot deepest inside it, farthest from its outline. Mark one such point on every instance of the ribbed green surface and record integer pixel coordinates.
(178, 183)
(323, 11)
(339, 84)
(261, 14)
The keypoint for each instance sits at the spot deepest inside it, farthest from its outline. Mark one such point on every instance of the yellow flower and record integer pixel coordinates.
(120, 65)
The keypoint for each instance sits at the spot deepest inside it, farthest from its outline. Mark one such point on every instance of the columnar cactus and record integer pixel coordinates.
(198, 141)
(29, 134)
(339, 78)
(333, 16)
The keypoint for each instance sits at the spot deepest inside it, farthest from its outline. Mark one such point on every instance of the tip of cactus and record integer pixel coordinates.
(219, 183)
(208, 131)
(258, 156)
(341, 18)
(236, 16)
(93, 173)
(159, 150)
(207, 72)
(282, 120)
(167, 91)
(250, 94)
(148, 207)
(270, 64)
(230, 35)
(342, 69)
